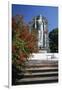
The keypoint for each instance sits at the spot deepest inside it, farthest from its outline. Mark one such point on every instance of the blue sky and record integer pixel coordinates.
(29, 11)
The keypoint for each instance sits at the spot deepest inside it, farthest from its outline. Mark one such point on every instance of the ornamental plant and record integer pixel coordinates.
(23, 42)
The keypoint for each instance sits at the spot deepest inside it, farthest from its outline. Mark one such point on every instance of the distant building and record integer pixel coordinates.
(40, 24)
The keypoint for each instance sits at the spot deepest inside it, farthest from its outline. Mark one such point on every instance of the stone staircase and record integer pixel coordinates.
(37, 71)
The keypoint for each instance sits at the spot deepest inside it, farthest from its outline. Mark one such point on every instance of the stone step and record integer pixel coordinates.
(41, 62)
(41, 68)
(44, 56)
(37, 80)
(39, 74)
(41, 65)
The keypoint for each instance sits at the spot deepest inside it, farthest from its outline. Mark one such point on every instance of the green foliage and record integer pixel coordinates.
(23, 42)
(53, 40)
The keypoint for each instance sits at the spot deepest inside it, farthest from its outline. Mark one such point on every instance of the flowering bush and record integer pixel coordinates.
(23, 42)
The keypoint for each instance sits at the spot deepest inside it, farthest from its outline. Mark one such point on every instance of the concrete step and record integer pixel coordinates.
(41, 65)
(42, 69)
(37, 80)
(30, 62)
(39, 74)
(44, 56)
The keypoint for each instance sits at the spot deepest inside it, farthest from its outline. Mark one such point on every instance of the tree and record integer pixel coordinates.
(53, 40)
(23, 42)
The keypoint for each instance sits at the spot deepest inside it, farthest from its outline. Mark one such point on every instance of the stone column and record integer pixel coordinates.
(35, 23)
(41, 39)
(45, 34)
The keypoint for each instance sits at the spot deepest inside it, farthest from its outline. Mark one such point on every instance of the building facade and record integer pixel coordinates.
(40, 24)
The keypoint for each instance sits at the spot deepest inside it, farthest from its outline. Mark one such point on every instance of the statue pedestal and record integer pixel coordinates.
(42, 51)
